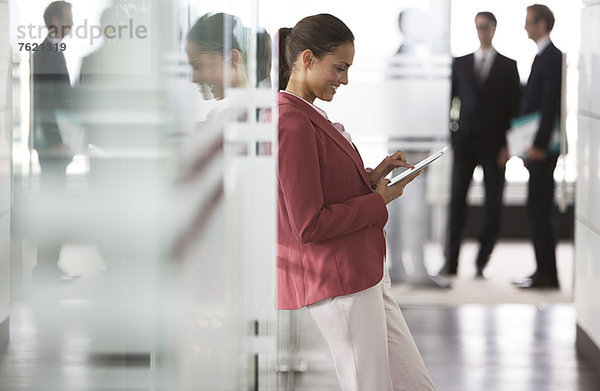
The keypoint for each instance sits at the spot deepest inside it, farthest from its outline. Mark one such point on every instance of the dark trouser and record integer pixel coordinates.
(53, 173)
(53, 178)
(542, 215)
(462, 172)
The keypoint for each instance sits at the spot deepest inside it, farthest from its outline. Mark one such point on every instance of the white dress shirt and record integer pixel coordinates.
(542, 43)
(484, 59)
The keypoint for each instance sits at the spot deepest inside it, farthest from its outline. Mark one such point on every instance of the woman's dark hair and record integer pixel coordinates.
(220, 33)
(321, 33)
(214, 33)
(263, 58)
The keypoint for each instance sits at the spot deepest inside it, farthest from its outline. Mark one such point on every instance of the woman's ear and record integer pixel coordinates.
(235, 57)
(308, 58)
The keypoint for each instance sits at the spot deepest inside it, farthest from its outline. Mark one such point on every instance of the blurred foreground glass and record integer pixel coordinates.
(161, 217)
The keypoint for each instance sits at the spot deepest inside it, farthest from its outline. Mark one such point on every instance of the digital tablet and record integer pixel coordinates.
(420, 165)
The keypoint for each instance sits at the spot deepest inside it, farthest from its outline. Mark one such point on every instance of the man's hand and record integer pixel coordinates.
(502, 157)
(535, 154)
(59, 150)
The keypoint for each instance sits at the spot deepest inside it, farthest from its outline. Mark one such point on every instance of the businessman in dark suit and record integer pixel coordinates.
(485, 95)
(543, 94)
(51, 89)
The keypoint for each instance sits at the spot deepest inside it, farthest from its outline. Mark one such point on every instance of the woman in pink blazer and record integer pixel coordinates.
(332, 213)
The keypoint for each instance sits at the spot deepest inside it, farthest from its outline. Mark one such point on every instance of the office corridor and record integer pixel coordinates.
(469, 344)
(141, 185)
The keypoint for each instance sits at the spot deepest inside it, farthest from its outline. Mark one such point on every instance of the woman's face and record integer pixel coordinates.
(207, 70)
(327, 73)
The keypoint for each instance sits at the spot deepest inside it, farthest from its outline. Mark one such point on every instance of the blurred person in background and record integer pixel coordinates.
(408, 228)
(51, 92)
(485, 94)
(412, 23)
(543, 95)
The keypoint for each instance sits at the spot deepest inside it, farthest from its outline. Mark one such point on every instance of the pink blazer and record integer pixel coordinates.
(330, 222)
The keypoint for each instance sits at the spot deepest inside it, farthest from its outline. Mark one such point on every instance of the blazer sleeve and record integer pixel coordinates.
(453, 81)
(550, 105)
(514, 95)
(47, 92)
(299, 176)
(515, 90)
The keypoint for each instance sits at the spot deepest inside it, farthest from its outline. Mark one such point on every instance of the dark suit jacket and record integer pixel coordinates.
(51, 89)
(486, 110)
(543, 92)
(330, 238)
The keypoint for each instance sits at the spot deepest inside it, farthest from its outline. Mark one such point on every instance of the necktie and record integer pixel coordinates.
(479, 71)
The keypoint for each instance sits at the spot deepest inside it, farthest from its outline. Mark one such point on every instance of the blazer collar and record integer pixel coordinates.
(472, 71)
(547, 49)
(325, 125)
(543, 43)
(492, 70)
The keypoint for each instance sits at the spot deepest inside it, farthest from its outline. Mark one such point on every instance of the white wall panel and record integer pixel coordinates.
(587, 213)
(587, 275)
(5, 160)
(590, 61)
(4, 265)
(588, 183)
(5, 163)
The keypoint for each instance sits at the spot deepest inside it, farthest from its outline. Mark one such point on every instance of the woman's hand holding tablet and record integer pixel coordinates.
(419, 166)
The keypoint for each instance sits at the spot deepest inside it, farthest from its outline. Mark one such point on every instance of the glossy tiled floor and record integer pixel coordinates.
(502, 348)
(52, 349)
(511, 259)
(529, 345)
(511, 347)
(467, 348)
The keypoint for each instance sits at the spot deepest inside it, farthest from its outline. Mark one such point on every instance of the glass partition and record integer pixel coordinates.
(145, 193)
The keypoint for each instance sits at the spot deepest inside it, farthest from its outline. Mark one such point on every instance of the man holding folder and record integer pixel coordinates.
(542, 95)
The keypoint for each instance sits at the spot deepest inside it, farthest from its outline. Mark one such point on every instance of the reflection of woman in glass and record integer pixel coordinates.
(331, 243)
(219, 40)
(217, 51)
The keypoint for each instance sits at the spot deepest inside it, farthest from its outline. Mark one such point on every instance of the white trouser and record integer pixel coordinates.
(371, 344)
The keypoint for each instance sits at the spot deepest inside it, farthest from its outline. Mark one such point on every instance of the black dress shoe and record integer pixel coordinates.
(540, 283)
(523, 280)
(53, 278)
(447, 271)
(481, 273)
(435, 281)
(481, 262)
